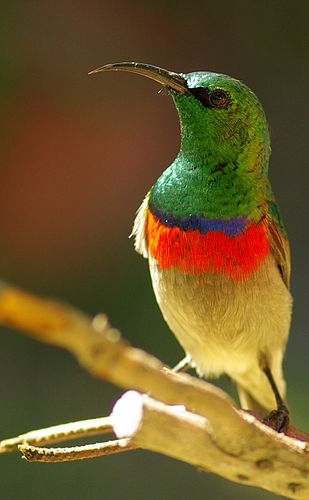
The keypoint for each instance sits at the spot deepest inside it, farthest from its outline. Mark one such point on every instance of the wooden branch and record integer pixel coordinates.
(37, 454)
(228, 441)
(30, 443)
(58, 433)
(178, 433)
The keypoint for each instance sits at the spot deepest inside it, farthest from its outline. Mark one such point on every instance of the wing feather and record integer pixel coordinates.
(139, 229)
(279, 243)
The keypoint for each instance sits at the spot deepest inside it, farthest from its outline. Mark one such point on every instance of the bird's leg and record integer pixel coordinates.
(277, 419)
(183, 365)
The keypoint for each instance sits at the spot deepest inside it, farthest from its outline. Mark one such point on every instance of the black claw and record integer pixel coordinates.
(278, 419)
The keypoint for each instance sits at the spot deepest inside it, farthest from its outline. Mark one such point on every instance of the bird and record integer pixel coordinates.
(218, 251)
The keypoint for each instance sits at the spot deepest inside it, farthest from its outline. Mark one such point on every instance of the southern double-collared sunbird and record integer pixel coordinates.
(217, 249)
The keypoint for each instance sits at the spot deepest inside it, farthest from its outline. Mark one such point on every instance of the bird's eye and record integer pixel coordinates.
(218, 98)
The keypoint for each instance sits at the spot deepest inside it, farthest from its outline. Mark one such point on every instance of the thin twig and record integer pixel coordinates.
(38, 454)
(58, 433)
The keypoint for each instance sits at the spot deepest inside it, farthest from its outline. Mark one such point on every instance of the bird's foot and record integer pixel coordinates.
(278, 419)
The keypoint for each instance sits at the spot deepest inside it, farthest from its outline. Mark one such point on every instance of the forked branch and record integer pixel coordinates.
(207, 431)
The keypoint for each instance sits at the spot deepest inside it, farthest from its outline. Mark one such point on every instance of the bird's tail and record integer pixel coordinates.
(254, 390)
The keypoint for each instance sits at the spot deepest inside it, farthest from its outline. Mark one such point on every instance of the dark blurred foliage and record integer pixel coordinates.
(78, 154)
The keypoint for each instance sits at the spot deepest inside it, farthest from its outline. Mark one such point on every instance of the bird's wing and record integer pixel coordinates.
(139, 228)
(279, 243)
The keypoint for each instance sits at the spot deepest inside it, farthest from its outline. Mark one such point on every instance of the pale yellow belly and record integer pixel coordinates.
(225, 326)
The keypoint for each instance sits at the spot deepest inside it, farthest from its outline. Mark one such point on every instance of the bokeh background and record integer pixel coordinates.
(78, 153)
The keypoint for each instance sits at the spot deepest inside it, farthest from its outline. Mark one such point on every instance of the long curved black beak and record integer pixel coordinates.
(169, 79)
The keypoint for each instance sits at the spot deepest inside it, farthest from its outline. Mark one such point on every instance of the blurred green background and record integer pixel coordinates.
(78, 154)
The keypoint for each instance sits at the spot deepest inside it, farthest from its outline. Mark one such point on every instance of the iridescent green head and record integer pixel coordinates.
(221, 168)
(222, 117)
